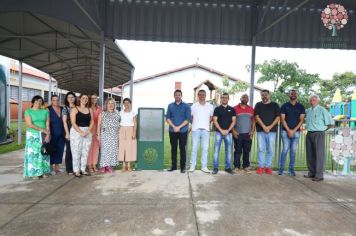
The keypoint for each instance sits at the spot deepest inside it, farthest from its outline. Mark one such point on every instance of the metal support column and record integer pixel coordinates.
(252, 72)
(101, 70)
(19, 111)
(8, 111)
(49, 90)
(131, 83)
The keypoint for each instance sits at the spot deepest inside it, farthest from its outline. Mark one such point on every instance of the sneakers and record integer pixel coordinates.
(280, 172)
(236, 170)
(192, 169)
(259, 171)
(102, 170)
(268, 171)
(247, 170)
(229, 171)
(215, 171)
(205, 170)
(291, 173)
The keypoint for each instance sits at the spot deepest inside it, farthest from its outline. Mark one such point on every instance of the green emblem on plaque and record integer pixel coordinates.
(150, 155)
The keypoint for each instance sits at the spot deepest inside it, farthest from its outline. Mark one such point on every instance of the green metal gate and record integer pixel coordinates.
(150, 142)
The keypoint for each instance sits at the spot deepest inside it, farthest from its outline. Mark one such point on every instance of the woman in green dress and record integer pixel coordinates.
(36, 165)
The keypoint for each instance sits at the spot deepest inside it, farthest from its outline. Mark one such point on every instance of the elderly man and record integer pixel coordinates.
(318, 120)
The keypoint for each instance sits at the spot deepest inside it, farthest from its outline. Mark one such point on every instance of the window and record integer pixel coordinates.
(27, 93)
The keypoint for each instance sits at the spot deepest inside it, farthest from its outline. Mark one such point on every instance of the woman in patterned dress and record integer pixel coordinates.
(108, 136)
(36, 165)
(81, 118)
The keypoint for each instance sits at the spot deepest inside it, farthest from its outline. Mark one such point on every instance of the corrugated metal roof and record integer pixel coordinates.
(294, 24)
(278, 23)
(68, 53)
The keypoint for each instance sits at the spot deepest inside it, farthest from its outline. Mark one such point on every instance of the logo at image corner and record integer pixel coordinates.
(334, 17)
(150, 155)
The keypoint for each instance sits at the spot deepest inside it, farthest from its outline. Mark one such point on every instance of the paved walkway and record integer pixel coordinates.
(162, 203)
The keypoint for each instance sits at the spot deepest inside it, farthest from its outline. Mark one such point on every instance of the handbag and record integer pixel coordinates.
(46, 148)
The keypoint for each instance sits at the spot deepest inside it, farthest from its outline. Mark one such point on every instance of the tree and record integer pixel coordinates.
(346, 82)
(232, 88)
(285, 76)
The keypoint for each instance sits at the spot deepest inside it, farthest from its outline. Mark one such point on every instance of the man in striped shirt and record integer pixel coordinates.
(243, 133)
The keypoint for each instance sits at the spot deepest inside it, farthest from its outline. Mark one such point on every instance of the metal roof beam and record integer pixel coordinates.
(35, 43)
(276, 21)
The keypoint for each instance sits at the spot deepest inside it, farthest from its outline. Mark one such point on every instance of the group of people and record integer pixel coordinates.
(104, 137)
(92, 137)
(238, 125)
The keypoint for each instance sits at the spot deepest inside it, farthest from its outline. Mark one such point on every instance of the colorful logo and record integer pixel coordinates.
(334, 17)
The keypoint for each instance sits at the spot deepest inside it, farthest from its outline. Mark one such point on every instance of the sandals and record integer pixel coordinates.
(86, 173)
(77, 175)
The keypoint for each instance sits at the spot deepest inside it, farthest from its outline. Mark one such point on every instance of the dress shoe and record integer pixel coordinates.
(308, 176)
(172, 169)
(229, 171)
(317, 179)
(182, 171)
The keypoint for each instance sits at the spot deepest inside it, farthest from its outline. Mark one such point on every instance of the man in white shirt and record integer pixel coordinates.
(202, 113)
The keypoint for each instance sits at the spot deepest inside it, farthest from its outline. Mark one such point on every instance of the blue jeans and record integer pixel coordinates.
(266, 143)
(200, 136)
(217, 143)
(289, 144)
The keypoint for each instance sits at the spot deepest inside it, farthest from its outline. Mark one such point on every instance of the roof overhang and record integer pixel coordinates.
(68, 52)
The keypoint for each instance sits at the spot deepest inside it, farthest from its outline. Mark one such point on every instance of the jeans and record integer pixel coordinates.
(217, 143)
(266, 143)
(182, 139)
(200, 136)
(242, 145)
(289, 144)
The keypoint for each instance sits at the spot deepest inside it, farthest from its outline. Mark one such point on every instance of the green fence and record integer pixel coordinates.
(300, 161)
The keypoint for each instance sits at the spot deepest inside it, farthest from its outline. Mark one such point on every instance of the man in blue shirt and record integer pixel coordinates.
(318, 120)
(292, 118)
(178, 116)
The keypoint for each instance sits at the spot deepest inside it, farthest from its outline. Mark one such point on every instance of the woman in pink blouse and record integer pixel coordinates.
(94, 148)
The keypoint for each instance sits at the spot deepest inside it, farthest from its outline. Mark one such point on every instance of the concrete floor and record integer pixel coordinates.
(163, 203)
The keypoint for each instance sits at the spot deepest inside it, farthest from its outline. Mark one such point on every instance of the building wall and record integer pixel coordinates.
(158, 92)
(14, 109)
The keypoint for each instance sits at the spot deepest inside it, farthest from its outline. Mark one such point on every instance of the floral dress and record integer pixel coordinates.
(109, 139)
(35, 164)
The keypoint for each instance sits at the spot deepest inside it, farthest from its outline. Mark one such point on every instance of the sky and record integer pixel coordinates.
(150, 58)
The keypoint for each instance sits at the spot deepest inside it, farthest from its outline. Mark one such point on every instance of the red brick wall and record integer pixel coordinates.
(14, 109)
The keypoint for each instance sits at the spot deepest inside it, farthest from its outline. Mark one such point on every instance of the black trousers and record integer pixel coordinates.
(68, 158)
(180, 138)
(315, 148)
(242, 145)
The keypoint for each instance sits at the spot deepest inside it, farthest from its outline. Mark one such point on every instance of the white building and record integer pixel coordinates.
(157, 90)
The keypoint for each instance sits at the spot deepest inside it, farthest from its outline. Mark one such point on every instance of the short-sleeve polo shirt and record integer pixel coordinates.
(224, 115)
